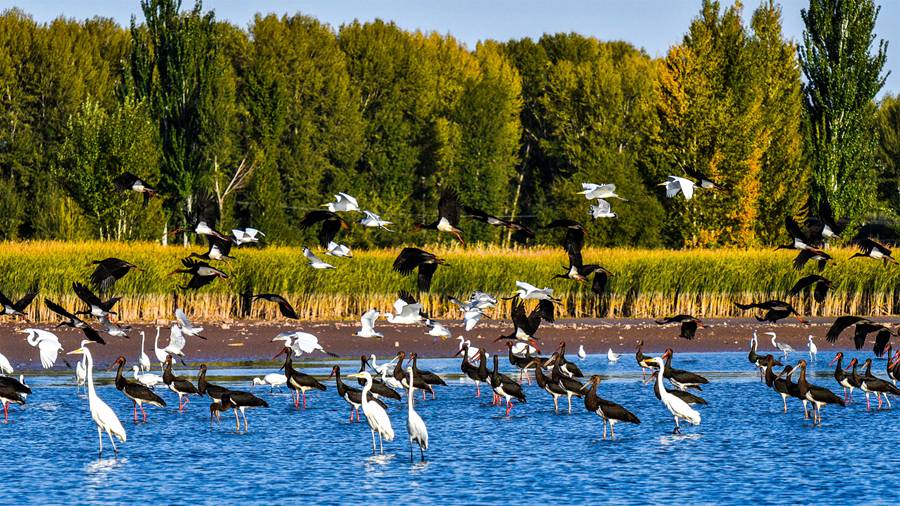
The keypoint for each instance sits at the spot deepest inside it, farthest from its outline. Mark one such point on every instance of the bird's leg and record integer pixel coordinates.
(134, 410)
(304, 398)
(422, 453)
(603, 423)
(612, 431)
(5, 412)
(508, 406)
(143, 412)
(246, 425)
(570, 403)
(373, 441)
(556, 404)
(887, 400)
(867, 401)
(237, 423)
(477, 389)
(100, 437)
(380, 444)
(879, 400)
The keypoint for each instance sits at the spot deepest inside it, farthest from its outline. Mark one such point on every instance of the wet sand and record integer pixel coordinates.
(251, 341)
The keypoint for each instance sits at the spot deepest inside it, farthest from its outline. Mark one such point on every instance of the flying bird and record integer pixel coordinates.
(675, 184)
(520, 229)
(414, 258)
(593, 191)
(601, 209)
(448, 215)
(129, 182)
(367, 324)
(820, 284)
(330, 222)
(314, 261)
(775, 310)
(74, 322)
(338, 250)
(342, 203)
(372, 220)
(108, 271)
(874, 249)
(689, 324)
(98, 308)
(245, 236)
(864, 327)
(201, 273)
(285, 307)
(18, 307)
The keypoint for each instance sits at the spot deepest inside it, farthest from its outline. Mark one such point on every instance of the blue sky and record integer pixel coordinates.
(651, 24)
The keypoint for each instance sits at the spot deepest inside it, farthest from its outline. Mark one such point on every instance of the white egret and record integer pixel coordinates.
(148, 379)
(376, 416)
(436, 329)
(784, 347)
(415, 426)
(342, 203)
(675, 184)
(187, 328)
(160, 353)
(528, 291)
(314, 261)
(675, 405)
(405, 313)
(5, 366)
(601, 210)
(367, 324)
(80, 373)
(246, 236)
(385, 367)
(273, 379)
(612, 356)
(101, 413)
(593, 191)
(813, 349)
(372, 220)
(143, 359)
(338, 250)
(47, 344)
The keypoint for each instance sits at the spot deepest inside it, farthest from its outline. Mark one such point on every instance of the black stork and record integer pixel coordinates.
(217, 249)
(793, 389)
(418, 381)
(201, 273)
(525, 325)
(680, 378)
(759, 360)
(297, 381)
(817, 255)
(609, 411)
(505, 387)
(108, 271)
(18, 307)
(521, 233)
(875, 385)
(331, 225)
(842, 377)
(689, 324)
(578, 271)
(240, 401)
(179, 385)
(429, 377)
(484, 375)
(137, 392)
(411, 259)
(821, 286)
(214, 392)
(864, 327)
(874, 249)
(776, 383)
(642, 360)
(12, 391)
(379, 387)
(566, 368)
(687, 397)
(98, 308)
(448, 216)
(893, 365)
(575, 232)
(775, 310)
(469, 369)
(127, 181)
(353, 396)
(74, 322)
(572, 386)
(547, 384)
(818, 396)
(522, 363)
(284, 307)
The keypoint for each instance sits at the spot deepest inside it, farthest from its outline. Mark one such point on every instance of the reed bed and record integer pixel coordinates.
(647, 283)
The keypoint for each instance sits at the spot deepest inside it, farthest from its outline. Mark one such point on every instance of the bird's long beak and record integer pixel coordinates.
(833, 360)
(355, 375)
(79, 351)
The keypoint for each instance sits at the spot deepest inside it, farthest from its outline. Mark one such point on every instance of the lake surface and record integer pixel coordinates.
(746, 450)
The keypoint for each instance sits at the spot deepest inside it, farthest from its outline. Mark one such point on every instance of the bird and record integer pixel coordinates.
(679, 409)
(436, 329)
(775, 310)
(428, 377)
(217, 249)
(376, 416)
(641, 359)
(877, 386)
(211, 390)
(203, 228)
(407, 311)
(297, 381)
(147, 379)
(689, 324)
(813, 349)
(609, 411)
(602, 209)
(98, 308)
(572, 386)
(74, 322)
(114, 329)
(815, 254)
(201, 273)
(314, 261)
(47, 344)
(799, 238)
(273, 379)
(18, 307)
(467, 366)
(80, 373)
(675, 184)
(381, 387)
(579, 272)
(427, 263)
(566, 368)
(136, 391)
(593, 191)
(681, 379)
(5, 367)
(830, 228)
(448, 215)
(331, 224)
(775, 383)
(818, 396)
(104, 417)
(575, 232)
(612, 357)
(244, 236)
(182, 387)
(547, 384)
(338, 250)
(241, 401)
(372, 220)
(527, 291)
(583, 354)
(519, 230)
(108, 271)
(342, 203)
(705, 182)
(525, 325)
(415, 426)
(175, 347)
(284, 307)
(12, 391)
(352, 395)
(505, 387)
(874, 249)
(127, 181)
(864, 327)
(783, 347)
(187, 327)
(367, 324)
(842, 377)
(687, 397)
(302, 342)
(401, 377)
(820, 284)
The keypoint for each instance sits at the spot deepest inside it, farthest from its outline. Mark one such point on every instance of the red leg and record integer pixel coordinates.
(6, 412)
(508, 407)
(134, 410)
(144, 412)
(304, 399)
(477, 389)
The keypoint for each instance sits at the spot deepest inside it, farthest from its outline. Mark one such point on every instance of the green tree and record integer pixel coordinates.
(888, 123)
(843, 76)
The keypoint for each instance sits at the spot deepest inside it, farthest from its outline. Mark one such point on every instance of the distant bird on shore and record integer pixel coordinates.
(874, 249)
(129, 182)
(520, 230)
(689, 324)
(330, 222)
(821, 285)
(372, 220)
(675, 184)
(284, 307)
(448, 216)
(367, 324)
(775, 310)
(342, 203)
(411, 259)
(314, 261)
(18, 307)
(611, 356)
(108, 271)
(201, 273)
(593, 191)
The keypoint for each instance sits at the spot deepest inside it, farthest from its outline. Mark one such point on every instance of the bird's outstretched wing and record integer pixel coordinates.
(448, 206)
(841, 324)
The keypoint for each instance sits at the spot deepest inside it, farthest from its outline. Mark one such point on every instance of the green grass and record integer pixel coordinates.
(647, 283)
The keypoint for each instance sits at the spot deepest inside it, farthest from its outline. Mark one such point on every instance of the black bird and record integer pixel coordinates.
(519, 230)
(775, 310)
(469, 369)
(298, 381)
(505, 387)
(568, 368)
(811, 254)
(874, 249)
(774, 382)
(285, 307)
(842, 377)
(609, 411)
(864, 327)
(575, 233)
(522, 363)
(681, 394)
(108, 271)
(240, 401)
(353, 396)
(74, 322)
(400, 375)
(572, 386)
(703, 180)
(98, 308)
(579, 272)
(829, 226)
(379, 388)
(799, 237)
(179, 385)
(414, 258)
(18, 307)
(819, 396)
(201, 273)
(137, 392)
(218, 249)
(680, 378)
(331, 225)
(525, 326)
(214, 392)
(546, 383)
(448, 215)
(129, 182)
(821, 285)
(872, 384)
(429, 377)
(689, 324)
(12, 391)
(641, 358)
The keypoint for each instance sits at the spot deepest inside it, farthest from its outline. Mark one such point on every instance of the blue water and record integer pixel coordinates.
(746, 450)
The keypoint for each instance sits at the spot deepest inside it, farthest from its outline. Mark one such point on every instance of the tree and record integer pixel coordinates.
(888, 123)
(843, 76)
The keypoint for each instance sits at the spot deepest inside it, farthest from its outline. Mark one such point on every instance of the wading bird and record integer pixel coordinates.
(687, 397)
(842, 377)
(689, 324)
(182, 387)
(137, 392)
(675, 184)
(679, 378)
(785, 348)
(505, 387)
(101, 413)
(201, 273)
(376, 416)
(448, 216)
(242, 401)
(874, 249)
(875, 385)
(415, 426)
(147, 379)
(108, 271)
(679, 408)
(273, 379)
(127, 181)
(547, 384)
(187, 327)
(602, 209)
(579, 272)
(5, 367)
(331, 224)
(818, 396)
(813, 349)
(367, 324)
(816, 255)
(352, 395)
(297, 381)
(342, 203)
(18, 307)
(218, 250)
(301, 342)
(314, 261)
(609, 411)
(12, 391)
(411, 259)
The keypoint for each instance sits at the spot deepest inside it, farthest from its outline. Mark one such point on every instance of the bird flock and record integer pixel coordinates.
(557, 376)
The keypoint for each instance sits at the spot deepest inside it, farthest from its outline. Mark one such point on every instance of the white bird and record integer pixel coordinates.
(338, 250)
(612, 356)
(482, 300)
(386, 367)
(473, 309)
(523, 349)
(246, 236)
(388, 379)
(415, 426)
(675, 405)
(593, 191)
(101, 413)
(581, 353)
(187, 328)
(314, 261)
(367, 324)
(203, 228)
(176, 342)
(5, 366)
(784, 347)
(342, 203)
(436, 329)
(143, 359)
(374, 221)
(405, 313)
(114, 329)
(22, 381)
(273, 379)
(472, 352)
(675, 184)
(148, 379)
(813, 349)
(376, 416)
(529, 291)
(80, 373)
(301, 342)
(47, 344)
(159, 352)
(471, 318)
(601, 210)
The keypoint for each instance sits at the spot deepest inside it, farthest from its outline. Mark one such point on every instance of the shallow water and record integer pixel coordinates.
(745, 450)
